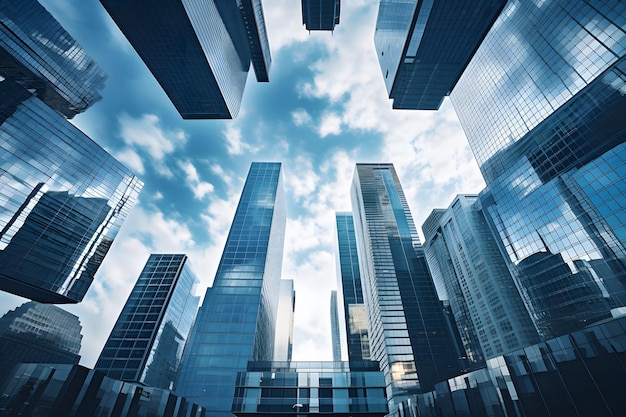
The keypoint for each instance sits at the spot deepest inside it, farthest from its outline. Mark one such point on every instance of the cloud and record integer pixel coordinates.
(301, 117)
(131, 158)
(200, 188)
(330, 125)
(234, 144)
(284, 23)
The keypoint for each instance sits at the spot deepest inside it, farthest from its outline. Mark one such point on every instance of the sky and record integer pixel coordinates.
(324, 109)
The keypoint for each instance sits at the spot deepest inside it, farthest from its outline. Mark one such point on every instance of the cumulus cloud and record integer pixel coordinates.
(234, 143)
(131, 159)
(192, 179)
(330, 125)
(301, 117)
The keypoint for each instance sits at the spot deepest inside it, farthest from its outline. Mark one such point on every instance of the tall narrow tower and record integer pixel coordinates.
(236, 322)
(407, 327)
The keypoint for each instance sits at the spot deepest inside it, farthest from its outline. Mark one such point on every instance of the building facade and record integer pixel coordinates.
(320, 14)
(407, 328)
(38, 333)
(39, 54)
(462, 253)
(268, 389)
(64, 200)
(424, 46)
(351, 289)
(283, 343)
(335, 332)
(237, 320)
(544, 120)
(199, 51)
(147, 341)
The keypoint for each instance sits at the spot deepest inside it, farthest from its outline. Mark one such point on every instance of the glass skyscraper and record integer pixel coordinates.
(334, 327)
(63, 198)
(423, 46)
(349, 277)
(38, 333)
(320, 14)
(199, 51)
(543, 103)
(147, 341)
(39, 54)
(487, 306)
(407, 329)
(283, 343)
(236, 322)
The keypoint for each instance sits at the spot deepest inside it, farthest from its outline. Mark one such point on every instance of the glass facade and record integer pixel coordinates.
(407, 329)
(236, 322)
(577, 374)
(39, 54)
(199, 51)
(320, 14)
(334, 327)
(283, 343)
(289, 389)
(349, 277)
(542, 104)
(74, 391)
(62, 201)
(463, 255)
(39, 333)
(147, 341)
(424, 46)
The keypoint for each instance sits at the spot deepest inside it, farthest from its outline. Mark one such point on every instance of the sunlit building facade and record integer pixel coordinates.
(349, 281)
(407, 329)
(199, 51)
(237, 320)
(39, 54)
(147, 341)
(283, 343)
(63, 197)
(424, 46)
(542, 104)
(487, 306)
(320, 14)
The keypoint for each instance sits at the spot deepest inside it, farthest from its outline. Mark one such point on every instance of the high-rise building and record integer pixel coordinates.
(283, 343)
(40, 55)
(147, 341)
(320, 14)
(64, 200)
(488, 309)
(236, 322)
(349, 277)
(38, 333)
(542, 104)
(407, 328)
(334, 327)
(424, 46)
(199, 51)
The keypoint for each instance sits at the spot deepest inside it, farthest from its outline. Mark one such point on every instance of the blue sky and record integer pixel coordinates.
(324, 109)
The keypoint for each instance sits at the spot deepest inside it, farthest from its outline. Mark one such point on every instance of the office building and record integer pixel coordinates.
(283, 343)
(147, 341)
(75, 391)
(64, 200)
(462, 253)
(542, 104)
(351, 289)
(424, 46)
(407, 328)
(320, 14)
(38, 333)
(335, 333)
(199, 51)
(269, 389)
(237, 320)
(39, 54)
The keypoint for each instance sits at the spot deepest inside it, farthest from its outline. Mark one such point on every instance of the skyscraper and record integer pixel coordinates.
(424, 46)
(407, 327)
(199, 51)
(38, 333)
(39, 54)
(283, 342)
(334, 327)
(236, 322)
(320, 14)
(542, 104)
(349, 281)
(64, 200)
(147, 341)
(487, 306)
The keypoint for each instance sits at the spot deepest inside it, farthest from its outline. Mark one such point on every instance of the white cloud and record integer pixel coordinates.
(131, 159)
(330, 125)
(234, 144)
(283, 20)
(200, 188)
(301, 117)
